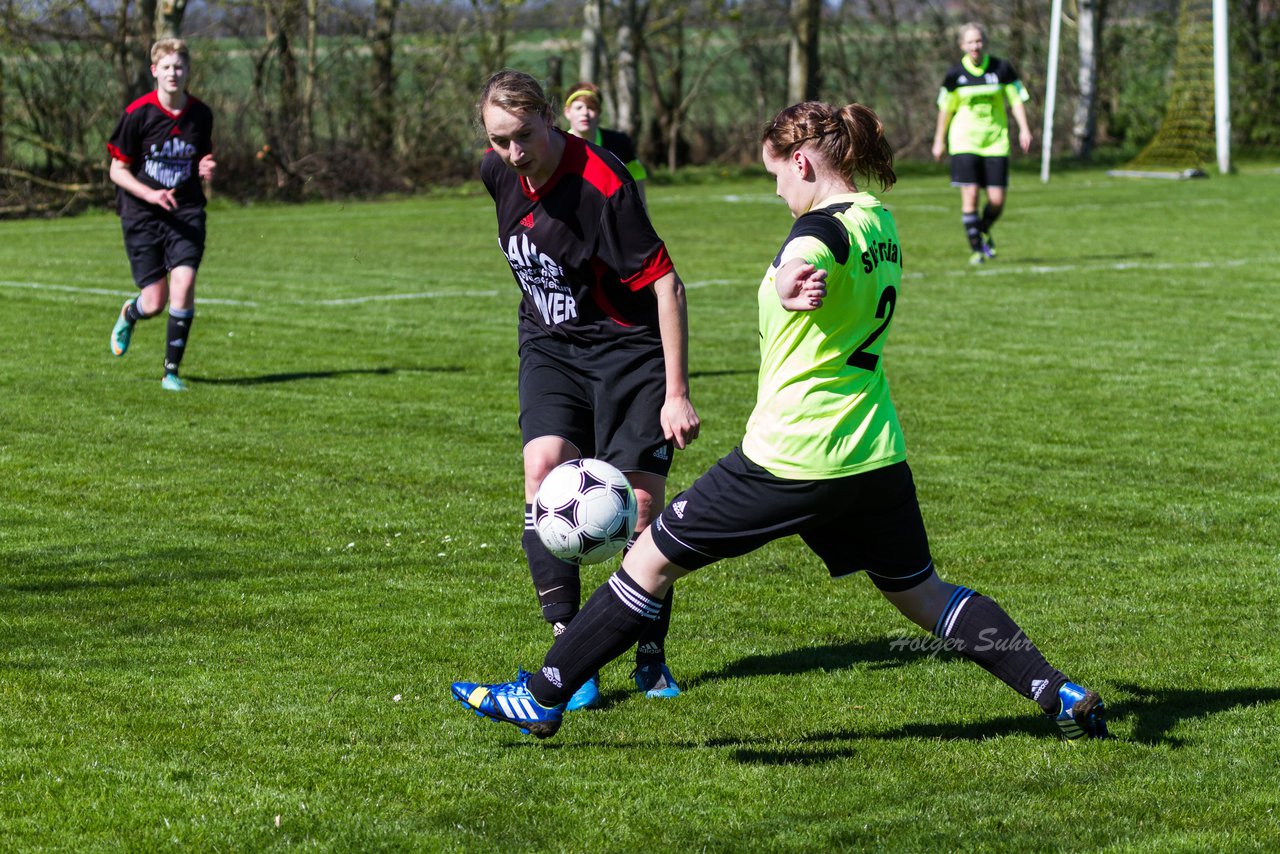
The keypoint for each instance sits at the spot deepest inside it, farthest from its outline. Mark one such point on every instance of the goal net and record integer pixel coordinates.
(1184, 141)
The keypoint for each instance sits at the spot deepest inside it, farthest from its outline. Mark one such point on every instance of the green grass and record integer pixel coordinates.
(228, 619)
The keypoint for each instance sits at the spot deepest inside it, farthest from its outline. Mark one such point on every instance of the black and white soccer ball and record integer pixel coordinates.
(584, 511)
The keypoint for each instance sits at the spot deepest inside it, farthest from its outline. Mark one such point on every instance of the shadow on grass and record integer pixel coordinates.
(295, 376)
(875, 654)
(104, 572)
(1154, 712)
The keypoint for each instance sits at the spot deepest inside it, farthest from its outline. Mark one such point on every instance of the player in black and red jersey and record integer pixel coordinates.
(603, 330)
(161, 150)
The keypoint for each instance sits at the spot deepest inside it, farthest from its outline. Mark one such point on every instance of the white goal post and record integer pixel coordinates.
(1221, 87)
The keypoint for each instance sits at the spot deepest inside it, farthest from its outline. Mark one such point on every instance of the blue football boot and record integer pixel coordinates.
(586, 697)
(173, 382)
(121, 333)
(988, 245)
(1080, 713)
(511, 702)
(655, 680)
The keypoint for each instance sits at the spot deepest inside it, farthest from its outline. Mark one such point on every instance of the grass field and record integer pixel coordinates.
(229, 619)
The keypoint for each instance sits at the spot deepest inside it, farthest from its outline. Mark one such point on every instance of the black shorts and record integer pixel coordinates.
(156, 244)
(606, 400)
(970, 169)
(869, 521)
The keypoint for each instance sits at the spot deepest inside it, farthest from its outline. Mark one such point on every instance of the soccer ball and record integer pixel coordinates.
(584, 511)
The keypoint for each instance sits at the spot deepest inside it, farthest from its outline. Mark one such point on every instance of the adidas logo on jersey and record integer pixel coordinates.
(527, 222)
(678, 509)
(662, 453)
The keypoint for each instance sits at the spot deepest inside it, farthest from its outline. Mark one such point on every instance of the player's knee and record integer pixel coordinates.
(647, 506)
(148, 308)
(923, 603)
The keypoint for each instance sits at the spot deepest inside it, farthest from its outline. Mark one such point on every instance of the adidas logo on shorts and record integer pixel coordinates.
(662, 453)
(678, 509)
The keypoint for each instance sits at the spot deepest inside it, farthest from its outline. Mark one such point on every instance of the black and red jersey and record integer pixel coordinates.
(163, 150)
(581, 247)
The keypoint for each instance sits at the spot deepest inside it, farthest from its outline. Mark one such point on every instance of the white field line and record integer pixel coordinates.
(71, 289)
(1119, 266)
(996, 269)
(38, 286)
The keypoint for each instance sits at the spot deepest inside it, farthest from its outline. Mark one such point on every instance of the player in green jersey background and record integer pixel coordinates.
(973, 124)
(823, 458)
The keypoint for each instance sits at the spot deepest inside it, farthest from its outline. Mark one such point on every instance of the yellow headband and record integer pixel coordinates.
(582, 93)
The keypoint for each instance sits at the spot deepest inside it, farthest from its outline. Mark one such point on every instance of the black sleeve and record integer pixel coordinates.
(619, 144)
(950, 82)
(628, 242)
(825, 228)
(123, 144)
(1006, 73)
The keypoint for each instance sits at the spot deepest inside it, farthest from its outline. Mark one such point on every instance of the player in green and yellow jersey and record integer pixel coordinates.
(823, 458)
(973, 124)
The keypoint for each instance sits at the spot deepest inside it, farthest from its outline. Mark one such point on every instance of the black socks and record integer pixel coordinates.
(972, 230)
(555, 581)
(981, 631)
(611, 621)
(990, 214)
(651, 645)
(180, 320)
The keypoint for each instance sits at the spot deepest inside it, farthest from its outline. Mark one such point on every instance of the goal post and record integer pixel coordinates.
(1181, 144)
(1194, 125)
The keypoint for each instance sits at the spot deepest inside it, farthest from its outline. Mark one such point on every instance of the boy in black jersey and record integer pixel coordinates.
(161, 150)
(603, 332)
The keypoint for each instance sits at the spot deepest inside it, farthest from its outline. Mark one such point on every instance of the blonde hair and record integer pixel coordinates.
(517, 93)
(166, 47)
(972, 25)
(849, 138)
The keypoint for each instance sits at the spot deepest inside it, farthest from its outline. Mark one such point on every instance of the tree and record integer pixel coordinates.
(276, 91)
(168, 18)
(493, 18)
(382, 42)
(803, 71)
(591, 58)
(631, 21)
(1084, 126)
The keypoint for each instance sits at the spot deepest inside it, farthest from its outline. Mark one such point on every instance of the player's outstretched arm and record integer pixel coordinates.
(940, 134)
(680, 420)
(801, 286)
(1024, 128)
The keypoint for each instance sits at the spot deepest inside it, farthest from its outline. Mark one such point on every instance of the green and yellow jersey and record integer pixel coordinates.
(823, 408)
(976, 96)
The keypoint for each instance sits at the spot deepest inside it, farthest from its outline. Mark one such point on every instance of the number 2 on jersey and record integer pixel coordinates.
(860, 358)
